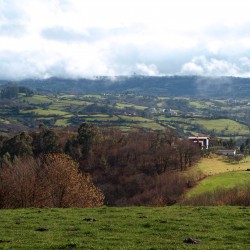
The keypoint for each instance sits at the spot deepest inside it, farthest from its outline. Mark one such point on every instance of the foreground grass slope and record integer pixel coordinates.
(126, 228)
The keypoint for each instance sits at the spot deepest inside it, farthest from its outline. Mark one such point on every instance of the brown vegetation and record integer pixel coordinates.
(237, 196)
(132, 168)
(53, 182)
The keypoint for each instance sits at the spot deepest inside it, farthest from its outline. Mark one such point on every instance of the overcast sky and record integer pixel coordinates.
(84, 38)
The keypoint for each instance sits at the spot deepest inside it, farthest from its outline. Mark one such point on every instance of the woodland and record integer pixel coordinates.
(93, 166)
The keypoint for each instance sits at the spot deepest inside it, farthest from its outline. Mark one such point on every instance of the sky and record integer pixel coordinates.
(86, 38)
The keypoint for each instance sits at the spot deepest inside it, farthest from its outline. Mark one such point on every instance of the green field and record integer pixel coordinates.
(225, 126)
(230, 126)
(100, 117)
(126, 228)
(46, 112)
(149, 125)
(224, 180)
(38, 99)
(4, 121)
(62, 123)
(198, 104)
(127, 105)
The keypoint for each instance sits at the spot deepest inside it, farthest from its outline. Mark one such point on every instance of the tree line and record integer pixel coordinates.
(93, 166)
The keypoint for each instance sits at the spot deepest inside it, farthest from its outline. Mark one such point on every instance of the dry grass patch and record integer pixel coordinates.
(219, 164)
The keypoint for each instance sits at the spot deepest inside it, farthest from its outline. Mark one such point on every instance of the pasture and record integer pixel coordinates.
(224, 180)
(125, 228)
(220, 164)
(225, 127)
(215, 174)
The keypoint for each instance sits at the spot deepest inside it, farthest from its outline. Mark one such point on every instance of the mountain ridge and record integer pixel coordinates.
(186, 86)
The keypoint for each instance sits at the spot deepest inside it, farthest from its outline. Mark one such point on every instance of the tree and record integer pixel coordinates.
(19, 145)
(72, 148)
(10, 92)
(170, 135)
(87, 134)
(47, 141)
(18, 183)
(188, 153)
(62, 185)
(53, 182)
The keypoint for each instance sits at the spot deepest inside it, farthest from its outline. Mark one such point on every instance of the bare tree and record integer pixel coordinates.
(62, 185)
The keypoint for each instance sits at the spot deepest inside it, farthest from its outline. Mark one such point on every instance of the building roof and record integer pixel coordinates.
(198, 137)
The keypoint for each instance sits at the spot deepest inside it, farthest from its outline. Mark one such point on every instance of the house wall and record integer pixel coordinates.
(203, 141)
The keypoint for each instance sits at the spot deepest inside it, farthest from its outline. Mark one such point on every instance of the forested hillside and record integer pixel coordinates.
(185, 86)
(93, 165)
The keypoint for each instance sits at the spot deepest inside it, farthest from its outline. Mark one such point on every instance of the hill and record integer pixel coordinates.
(185, 86)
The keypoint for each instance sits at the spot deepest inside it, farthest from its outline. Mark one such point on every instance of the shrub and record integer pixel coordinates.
(55, 182)
(237, 196)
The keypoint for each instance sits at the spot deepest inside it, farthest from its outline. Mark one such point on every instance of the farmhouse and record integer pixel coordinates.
(202, 141)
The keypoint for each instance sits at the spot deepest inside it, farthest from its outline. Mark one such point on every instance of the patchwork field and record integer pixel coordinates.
(189, 116)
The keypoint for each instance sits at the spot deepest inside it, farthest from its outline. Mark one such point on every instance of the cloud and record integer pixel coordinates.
(12, 30)
(11, 10)
(192, 68)
(59, 33)
(72, 38)
(210, 67)
(93, 34)
(149, 70)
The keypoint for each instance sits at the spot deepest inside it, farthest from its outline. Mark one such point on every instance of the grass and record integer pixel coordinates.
(230, 126)
(62, 123)
(38, 99)
(46, 112)
(220, 174)
(102, 119)
(93, 96)
(226, 126)
(219, 164)
(73, 102)
(198, 104)
(149, 125)
(125, 105)
(126, 228)
(4, 121)
(224, 180)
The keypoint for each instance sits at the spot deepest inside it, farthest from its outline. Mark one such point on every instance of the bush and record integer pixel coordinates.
(237, 196)
(54, 182)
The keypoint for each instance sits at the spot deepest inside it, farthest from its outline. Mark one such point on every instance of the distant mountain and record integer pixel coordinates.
(186, 86)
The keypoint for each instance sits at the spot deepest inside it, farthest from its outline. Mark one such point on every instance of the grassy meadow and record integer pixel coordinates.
(220, 174)
(220, 164)
(224, 180)
(226, 127)
(125, 228)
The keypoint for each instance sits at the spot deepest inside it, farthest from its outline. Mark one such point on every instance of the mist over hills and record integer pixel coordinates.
(184, 86)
